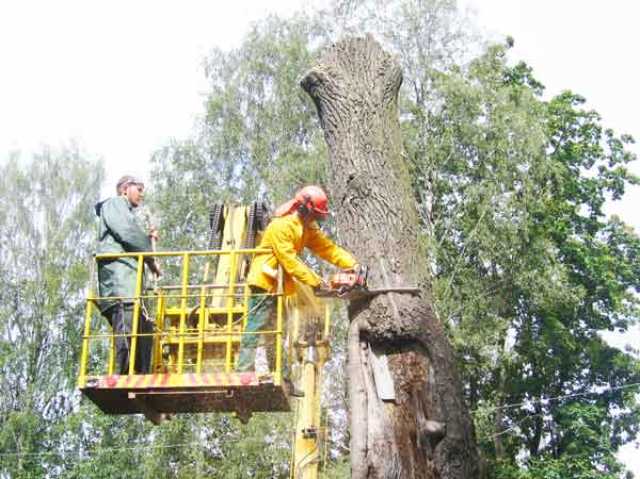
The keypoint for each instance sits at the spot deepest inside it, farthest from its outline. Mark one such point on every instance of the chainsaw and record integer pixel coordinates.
(352, 285)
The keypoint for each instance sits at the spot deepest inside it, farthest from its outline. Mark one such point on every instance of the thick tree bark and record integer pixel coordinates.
(355, 88)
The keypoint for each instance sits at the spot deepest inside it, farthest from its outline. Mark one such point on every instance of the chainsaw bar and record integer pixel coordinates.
(360, 293)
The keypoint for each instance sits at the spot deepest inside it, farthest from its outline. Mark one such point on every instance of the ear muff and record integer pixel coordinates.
(304, 209)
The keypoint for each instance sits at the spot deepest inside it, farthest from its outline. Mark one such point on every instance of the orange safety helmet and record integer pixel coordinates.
(312, 198)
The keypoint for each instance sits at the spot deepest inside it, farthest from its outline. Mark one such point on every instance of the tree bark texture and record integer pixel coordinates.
(355, 88)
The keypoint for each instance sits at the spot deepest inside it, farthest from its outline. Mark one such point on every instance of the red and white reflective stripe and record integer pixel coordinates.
(169, 380)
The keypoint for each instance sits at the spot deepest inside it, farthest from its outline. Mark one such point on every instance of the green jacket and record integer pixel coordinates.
(119, 232)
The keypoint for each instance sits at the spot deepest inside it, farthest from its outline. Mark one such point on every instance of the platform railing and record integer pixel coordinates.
(235, 303)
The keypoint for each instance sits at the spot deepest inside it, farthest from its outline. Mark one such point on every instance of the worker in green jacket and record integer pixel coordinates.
(120, 232)
(294, 227)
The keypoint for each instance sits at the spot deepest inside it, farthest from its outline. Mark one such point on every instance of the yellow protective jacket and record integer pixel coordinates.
(286, 237)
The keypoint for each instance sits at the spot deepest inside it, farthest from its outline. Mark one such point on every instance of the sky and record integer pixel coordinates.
(122, 78)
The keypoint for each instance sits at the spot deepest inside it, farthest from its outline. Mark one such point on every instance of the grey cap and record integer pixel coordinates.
(127, 180)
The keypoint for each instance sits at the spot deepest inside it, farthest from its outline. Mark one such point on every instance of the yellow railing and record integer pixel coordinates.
(178, 345)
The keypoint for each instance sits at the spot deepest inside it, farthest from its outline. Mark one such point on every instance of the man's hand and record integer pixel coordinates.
(324, 286)
(153, 234)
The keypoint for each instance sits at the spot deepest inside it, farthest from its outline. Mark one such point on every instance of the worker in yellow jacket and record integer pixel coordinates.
(294, 227)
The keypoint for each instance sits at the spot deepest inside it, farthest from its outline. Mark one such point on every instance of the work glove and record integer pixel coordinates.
(323, 288)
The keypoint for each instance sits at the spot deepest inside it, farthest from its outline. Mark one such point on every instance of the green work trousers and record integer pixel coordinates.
(261, 308)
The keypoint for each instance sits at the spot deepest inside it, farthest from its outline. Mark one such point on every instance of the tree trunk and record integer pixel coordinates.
(426, 430)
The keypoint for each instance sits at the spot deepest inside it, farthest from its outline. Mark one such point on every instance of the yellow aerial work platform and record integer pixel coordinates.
(199, 312)
(195, 342)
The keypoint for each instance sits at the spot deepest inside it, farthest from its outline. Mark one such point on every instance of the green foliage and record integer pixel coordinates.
(527, 269)
(46, 236)
(259, 136)
(340, 469)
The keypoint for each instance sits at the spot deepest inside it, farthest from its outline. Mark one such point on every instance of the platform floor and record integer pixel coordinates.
(186, 393)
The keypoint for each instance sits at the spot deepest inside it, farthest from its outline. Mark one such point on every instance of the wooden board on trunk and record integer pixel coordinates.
(381, 374)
